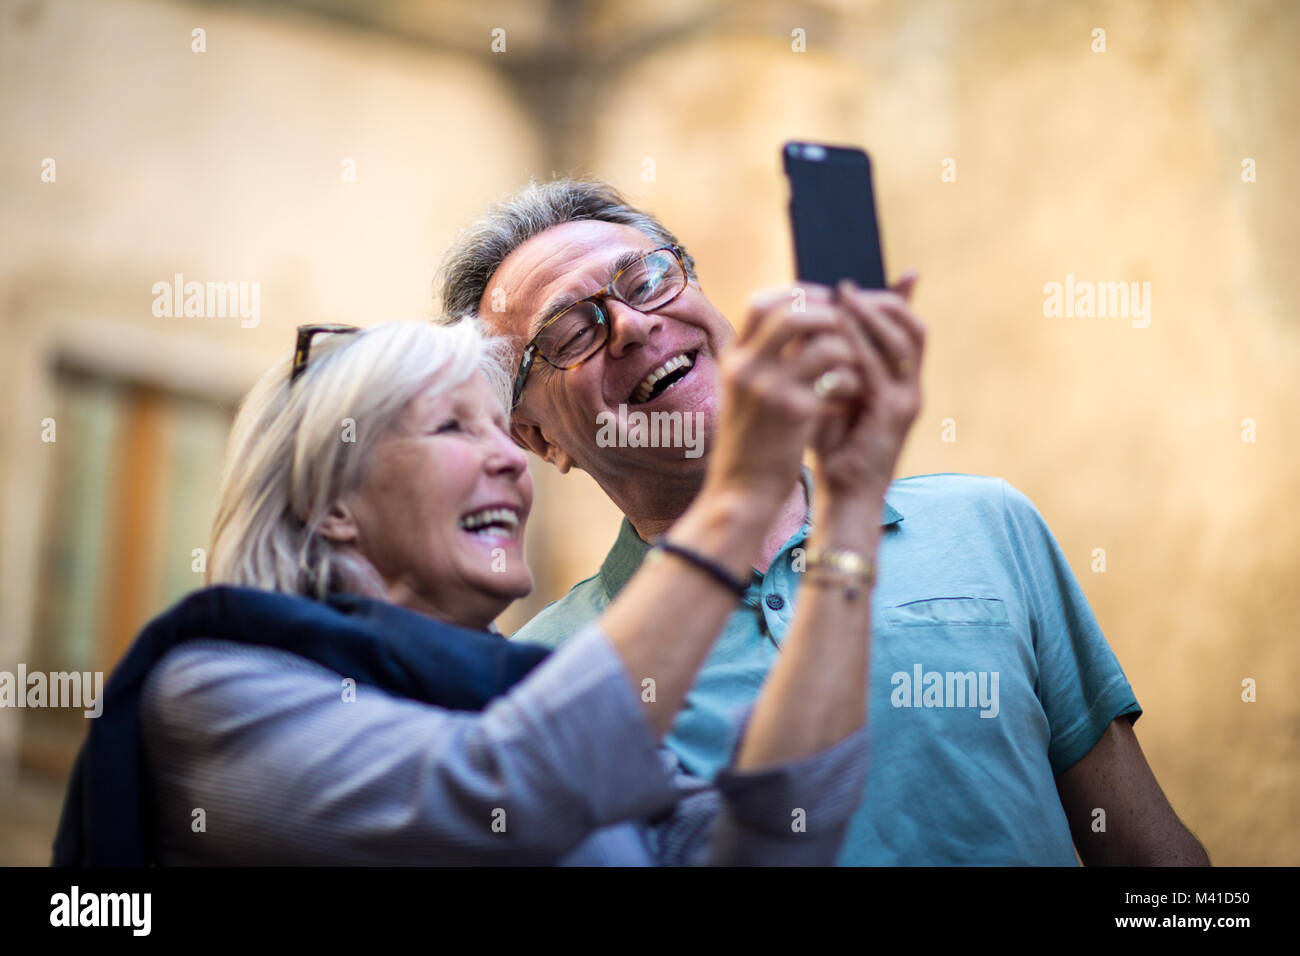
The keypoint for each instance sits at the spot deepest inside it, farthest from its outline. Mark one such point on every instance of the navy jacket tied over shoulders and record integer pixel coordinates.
(372, 642)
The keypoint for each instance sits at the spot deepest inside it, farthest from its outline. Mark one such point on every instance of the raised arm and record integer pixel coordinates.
(666, 619)
(802, 759)
(816, 693)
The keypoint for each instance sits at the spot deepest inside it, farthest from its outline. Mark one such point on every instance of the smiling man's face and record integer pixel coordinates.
(557, 414)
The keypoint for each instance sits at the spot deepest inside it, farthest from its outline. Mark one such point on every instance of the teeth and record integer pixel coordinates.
(648, 383)
(491, 516)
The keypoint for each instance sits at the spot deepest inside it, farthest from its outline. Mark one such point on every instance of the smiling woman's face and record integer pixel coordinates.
(440, 513)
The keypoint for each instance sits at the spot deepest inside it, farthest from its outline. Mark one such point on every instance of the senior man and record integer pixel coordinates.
(1001, 721)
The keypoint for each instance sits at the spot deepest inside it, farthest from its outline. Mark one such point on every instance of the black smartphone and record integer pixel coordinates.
(833, 215)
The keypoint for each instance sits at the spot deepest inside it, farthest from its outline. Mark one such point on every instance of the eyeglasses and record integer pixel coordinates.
(303, 347)
(579, 331)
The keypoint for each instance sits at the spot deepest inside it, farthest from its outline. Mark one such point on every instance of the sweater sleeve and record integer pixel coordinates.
(792, 814)
(290, 766)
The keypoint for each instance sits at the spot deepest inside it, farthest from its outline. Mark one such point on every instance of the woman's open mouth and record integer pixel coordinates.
(494, 522)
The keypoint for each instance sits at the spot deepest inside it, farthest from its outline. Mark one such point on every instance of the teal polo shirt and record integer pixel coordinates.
(989, 674)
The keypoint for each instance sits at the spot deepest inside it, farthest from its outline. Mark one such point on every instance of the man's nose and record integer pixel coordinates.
(629, 328)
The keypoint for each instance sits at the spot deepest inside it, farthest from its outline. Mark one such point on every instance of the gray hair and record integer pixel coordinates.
(297, 448)
(481, 248)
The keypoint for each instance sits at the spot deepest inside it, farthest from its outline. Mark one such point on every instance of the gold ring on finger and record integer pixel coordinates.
(826, 383)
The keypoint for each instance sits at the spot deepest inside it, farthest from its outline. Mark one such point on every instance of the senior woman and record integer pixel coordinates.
(339, 697)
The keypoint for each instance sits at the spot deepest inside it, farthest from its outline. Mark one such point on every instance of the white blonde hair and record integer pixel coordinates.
(296, 449)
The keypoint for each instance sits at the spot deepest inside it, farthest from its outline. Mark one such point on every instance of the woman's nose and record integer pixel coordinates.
(506, 457)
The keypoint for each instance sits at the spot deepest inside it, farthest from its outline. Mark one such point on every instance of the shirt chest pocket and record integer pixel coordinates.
(949, 612)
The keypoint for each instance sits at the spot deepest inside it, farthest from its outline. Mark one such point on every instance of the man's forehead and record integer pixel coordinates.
(556, 267)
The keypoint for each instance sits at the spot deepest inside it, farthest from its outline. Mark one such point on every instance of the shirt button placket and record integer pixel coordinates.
(773, 620)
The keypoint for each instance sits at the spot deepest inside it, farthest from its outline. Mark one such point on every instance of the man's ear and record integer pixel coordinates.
(534, 439)
(339, 526)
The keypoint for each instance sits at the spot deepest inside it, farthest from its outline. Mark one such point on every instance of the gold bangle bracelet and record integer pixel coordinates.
(848, 569)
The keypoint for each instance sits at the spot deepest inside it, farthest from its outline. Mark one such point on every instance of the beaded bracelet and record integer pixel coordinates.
(707, 565)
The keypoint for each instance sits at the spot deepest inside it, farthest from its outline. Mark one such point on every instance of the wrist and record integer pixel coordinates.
(859, 539)
(848, 528)
(858, 509)
(726, 524)
(755, 497)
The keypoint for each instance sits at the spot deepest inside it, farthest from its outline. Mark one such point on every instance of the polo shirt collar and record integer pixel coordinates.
(629, 550)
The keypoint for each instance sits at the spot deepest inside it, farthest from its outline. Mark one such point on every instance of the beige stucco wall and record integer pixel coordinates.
(1115, 166)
